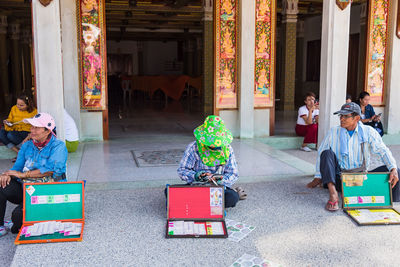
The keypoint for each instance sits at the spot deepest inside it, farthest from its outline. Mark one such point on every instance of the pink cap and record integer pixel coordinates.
(42, 120)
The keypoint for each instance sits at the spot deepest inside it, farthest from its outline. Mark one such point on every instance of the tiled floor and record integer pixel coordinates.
(125, 212)
(140, 131)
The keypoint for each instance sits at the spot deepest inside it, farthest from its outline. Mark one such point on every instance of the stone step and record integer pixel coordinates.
(293, 142)
(282, 142)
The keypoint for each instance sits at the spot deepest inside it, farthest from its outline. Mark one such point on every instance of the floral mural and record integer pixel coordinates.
(264, 53)
(376, 52)
(92, 54)
(226, 53)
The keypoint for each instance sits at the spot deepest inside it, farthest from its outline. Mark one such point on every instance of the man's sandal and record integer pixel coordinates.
(242, 194)
(332, 205)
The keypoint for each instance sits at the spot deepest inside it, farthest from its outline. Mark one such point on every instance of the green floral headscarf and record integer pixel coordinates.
(213, 133)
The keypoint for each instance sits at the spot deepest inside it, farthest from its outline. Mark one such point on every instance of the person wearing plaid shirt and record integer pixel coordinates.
(211, 158)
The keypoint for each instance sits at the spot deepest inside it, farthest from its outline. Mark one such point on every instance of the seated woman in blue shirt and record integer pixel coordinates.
(41, 159)
(368, 116)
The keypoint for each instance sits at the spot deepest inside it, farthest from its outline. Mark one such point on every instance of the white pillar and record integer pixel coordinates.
(247, 46)
(392, 109)
(48, 61)
(334, 56)
(70, 59)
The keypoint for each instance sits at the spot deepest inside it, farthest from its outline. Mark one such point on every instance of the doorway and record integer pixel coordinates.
(154, 54)
(16, 56)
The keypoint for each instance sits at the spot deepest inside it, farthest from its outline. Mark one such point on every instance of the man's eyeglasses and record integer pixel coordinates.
(341, 116)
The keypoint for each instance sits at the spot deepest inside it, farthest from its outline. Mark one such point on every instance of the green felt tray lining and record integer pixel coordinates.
(376, 185)
(44, 237)
(61, 211)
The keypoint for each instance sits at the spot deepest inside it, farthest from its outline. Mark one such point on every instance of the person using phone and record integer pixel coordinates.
(307, 121)
(42, 159)
(15, 130)
(211, 159)
(368, 116)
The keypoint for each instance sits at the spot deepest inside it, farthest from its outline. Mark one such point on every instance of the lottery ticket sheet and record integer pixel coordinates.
(248, 260)
(237, 230)
(374, 216)
(195, 228)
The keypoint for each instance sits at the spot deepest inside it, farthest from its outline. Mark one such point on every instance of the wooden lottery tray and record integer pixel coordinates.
(200, 204)
(367, 198)
(64, 210)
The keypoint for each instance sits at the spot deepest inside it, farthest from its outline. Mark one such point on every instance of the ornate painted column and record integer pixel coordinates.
(289, 28)
(15, 31)
(26, 60)
(263, 59)
(4, 84)
(227, 54)
(92, 58)
(377, 40)
(208, 58)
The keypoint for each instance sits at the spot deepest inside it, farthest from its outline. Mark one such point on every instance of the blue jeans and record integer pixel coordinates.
(12, 138)
(331, 171)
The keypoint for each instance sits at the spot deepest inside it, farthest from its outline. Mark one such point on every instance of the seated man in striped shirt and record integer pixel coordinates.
(210, 158)
(348, 147)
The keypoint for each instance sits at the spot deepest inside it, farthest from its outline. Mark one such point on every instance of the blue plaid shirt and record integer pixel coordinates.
(191, 164)
(354, 159)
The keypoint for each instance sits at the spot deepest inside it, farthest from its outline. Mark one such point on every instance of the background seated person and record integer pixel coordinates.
(41, 159)
(307, 121)
(211, 153)
(348, 98)
(342, 150)
(71, 133)
(15, 130)
(368, 116)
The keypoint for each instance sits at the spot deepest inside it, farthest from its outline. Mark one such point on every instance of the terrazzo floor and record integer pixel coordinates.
(127, 228)
(125, 208)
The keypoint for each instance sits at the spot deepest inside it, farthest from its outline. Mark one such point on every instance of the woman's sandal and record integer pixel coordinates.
(242, 194)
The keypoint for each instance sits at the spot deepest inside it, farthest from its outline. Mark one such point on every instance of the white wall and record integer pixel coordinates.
(247, 70)
(70, 59)
(392, 95)
(92, 126)
(48, 61)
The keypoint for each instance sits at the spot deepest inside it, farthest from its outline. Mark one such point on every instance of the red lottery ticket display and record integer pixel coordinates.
(196, 211)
